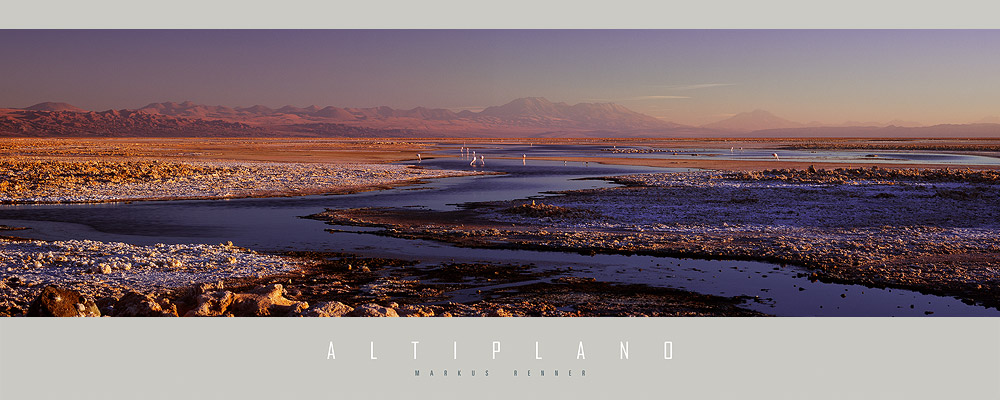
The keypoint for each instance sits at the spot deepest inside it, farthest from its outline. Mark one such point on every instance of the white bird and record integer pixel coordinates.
(732, 149)
(473, 163)
(482, 160)
(418, 158)
(524, 159)
(775, 155)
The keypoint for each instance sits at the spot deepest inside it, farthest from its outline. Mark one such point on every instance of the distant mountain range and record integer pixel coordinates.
(760, 120)
(124, 123)
(530, 116)
(760, 123)
(752, 121)
(943, 130)
(526, 115)
(50, 106)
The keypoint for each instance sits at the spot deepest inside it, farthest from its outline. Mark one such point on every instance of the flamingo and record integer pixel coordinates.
(482, 160)
(775, 155)
(473, 163)
(524, 159)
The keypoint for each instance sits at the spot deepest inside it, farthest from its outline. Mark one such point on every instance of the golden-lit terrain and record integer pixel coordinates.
(55, 171)
(919, 226)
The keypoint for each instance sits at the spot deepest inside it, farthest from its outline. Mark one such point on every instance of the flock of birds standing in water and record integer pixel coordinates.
(481, 159)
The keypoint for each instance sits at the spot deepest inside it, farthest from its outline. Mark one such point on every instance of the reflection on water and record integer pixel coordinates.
(273, 224)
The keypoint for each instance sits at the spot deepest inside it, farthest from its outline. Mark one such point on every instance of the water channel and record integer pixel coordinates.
(273, 224)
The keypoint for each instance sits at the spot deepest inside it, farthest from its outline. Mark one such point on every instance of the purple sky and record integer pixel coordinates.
(686, 76)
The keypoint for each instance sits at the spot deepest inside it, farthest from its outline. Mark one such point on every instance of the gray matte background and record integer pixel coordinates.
(714, 358)
(508, 14)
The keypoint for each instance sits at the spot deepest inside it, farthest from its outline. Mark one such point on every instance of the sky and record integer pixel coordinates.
(685, 76)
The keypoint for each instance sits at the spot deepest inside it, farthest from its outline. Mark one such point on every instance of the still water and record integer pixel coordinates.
(273, 224)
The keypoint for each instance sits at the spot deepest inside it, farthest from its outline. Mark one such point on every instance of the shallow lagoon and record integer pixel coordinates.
(273, 224)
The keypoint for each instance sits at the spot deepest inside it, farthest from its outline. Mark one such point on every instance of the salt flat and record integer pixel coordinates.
(64, 181)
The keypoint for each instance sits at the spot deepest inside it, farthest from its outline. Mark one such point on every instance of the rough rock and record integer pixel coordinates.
(211, 304)
(10, 309)
(57, 302)
(266, 301)
(500, 312)
(135, 304)
(410, 310)
(328, 309)
(372, 310)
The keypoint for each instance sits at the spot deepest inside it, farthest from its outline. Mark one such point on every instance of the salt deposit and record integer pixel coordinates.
(32, 181)
(100, 269)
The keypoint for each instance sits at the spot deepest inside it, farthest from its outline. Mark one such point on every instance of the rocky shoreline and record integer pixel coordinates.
(225, 281)
(100, 270)
(339, 284)
(32, 181)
